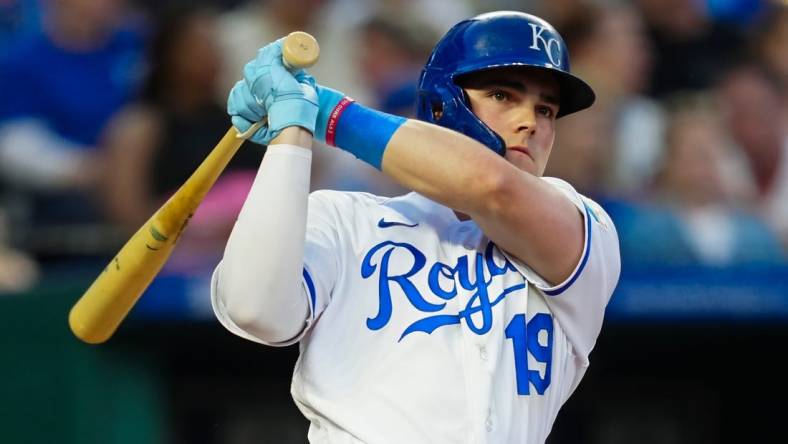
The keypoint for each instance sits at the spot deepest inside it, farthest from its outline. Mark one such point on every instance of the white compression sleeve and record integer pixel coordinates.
(258, 283)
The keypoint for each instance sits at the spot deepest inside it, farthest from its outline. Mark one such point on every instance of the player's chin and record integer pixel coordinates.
(522, 161)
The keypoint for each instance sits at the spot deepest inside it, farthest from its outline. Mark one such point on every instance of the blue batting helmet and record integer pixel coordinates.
(493, 40)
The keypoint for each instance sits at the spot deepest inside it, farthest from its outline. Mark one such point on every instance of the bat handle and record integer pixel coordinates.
(252, 129)
(300, 50)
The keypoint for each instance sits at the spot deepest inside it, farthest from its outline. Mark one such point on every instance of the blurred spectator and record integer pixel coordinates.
(690, 48)
(439, 14)
(154, 145)
(611, 150)
(582, 152)
(771, 43)
(741, 12)
(394, 51)
(18, 18)
(694, 219)
(18, 271)
(243, 30)
(59, 88)
(754, 107)
(557, 12)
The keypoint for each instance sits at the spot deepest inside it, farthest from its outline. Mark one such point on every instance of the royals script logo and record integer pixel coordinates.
(442, 280)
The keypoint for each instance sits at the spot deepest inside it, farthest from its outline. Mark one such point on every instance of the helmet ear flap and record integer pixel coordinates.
(436, 108)
(472, 125)
(446, 104)
(430, 107)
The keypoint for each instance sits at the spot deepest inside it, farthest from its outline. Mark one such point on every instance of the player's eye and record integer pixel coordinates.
(545, 111)
(499, 95)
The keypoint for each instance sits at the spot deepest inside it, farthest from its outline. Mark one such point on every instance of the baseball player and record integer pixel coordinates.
(464, 311)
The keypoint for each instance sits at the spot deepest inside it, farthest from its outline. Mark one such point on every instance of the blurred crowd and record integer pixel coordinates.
(107, 106)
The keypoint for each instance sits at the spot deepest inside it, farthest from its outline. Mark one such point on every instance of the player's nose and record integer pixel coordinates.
(524, 119)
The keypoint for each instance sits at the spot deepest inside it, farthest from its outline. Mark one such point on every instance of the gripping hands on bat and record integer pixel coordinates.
(293, 98)
(269, 91)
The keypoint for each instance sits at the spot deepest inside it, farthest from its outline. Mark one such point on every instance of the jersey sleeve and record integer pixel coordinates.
(322, 251)
(578, 303)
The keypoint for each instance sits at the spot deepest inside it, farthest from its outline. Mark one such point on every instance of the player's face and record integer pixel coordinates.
(520, 105)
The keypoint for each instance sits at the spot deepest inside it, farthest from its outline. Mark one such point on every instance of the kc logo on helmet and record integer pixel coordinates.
(551, 46)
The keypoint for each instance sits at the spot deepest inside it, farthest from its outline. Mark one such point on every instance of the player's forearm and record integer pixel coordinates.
(259, 280)
(445, 166)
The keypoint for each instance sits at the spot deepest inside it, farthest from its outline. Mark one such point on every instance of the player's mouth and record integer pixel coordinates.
(521, 149)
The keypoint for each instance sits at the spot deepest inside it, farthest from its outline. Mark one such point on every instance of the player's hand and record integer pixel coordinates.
(269, 90)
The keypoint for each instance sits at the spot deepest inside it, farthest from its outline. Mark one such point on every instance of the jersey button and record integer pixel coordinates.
(488, 425)
(483, 352)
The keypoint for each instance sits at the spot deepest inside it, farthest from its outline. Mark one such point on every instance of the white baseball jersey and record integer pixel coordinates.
(422, 330)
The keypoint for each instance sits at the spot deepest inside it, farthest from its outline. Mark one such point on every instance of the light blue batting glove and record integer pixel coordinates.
(269, 90)
(245, 111)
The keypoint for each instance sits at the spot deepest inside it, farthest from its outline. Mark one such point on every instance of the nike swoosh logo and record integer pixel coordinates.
(383, 223)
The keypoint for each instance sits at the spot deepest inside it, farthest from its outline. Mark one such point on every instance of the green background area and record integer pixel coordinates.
(57, 389)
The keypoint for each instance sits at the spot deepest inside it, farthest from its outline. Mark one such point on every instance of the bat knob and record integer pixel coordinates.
(300, 50)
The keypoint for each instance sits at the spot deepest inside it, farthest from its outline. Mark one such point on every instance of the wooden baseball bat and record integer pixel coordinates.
(101, 309)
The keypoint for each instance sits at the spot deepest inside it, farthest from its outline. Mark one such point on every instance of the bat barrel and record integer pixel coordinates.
(101, 309)
(99, 312)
